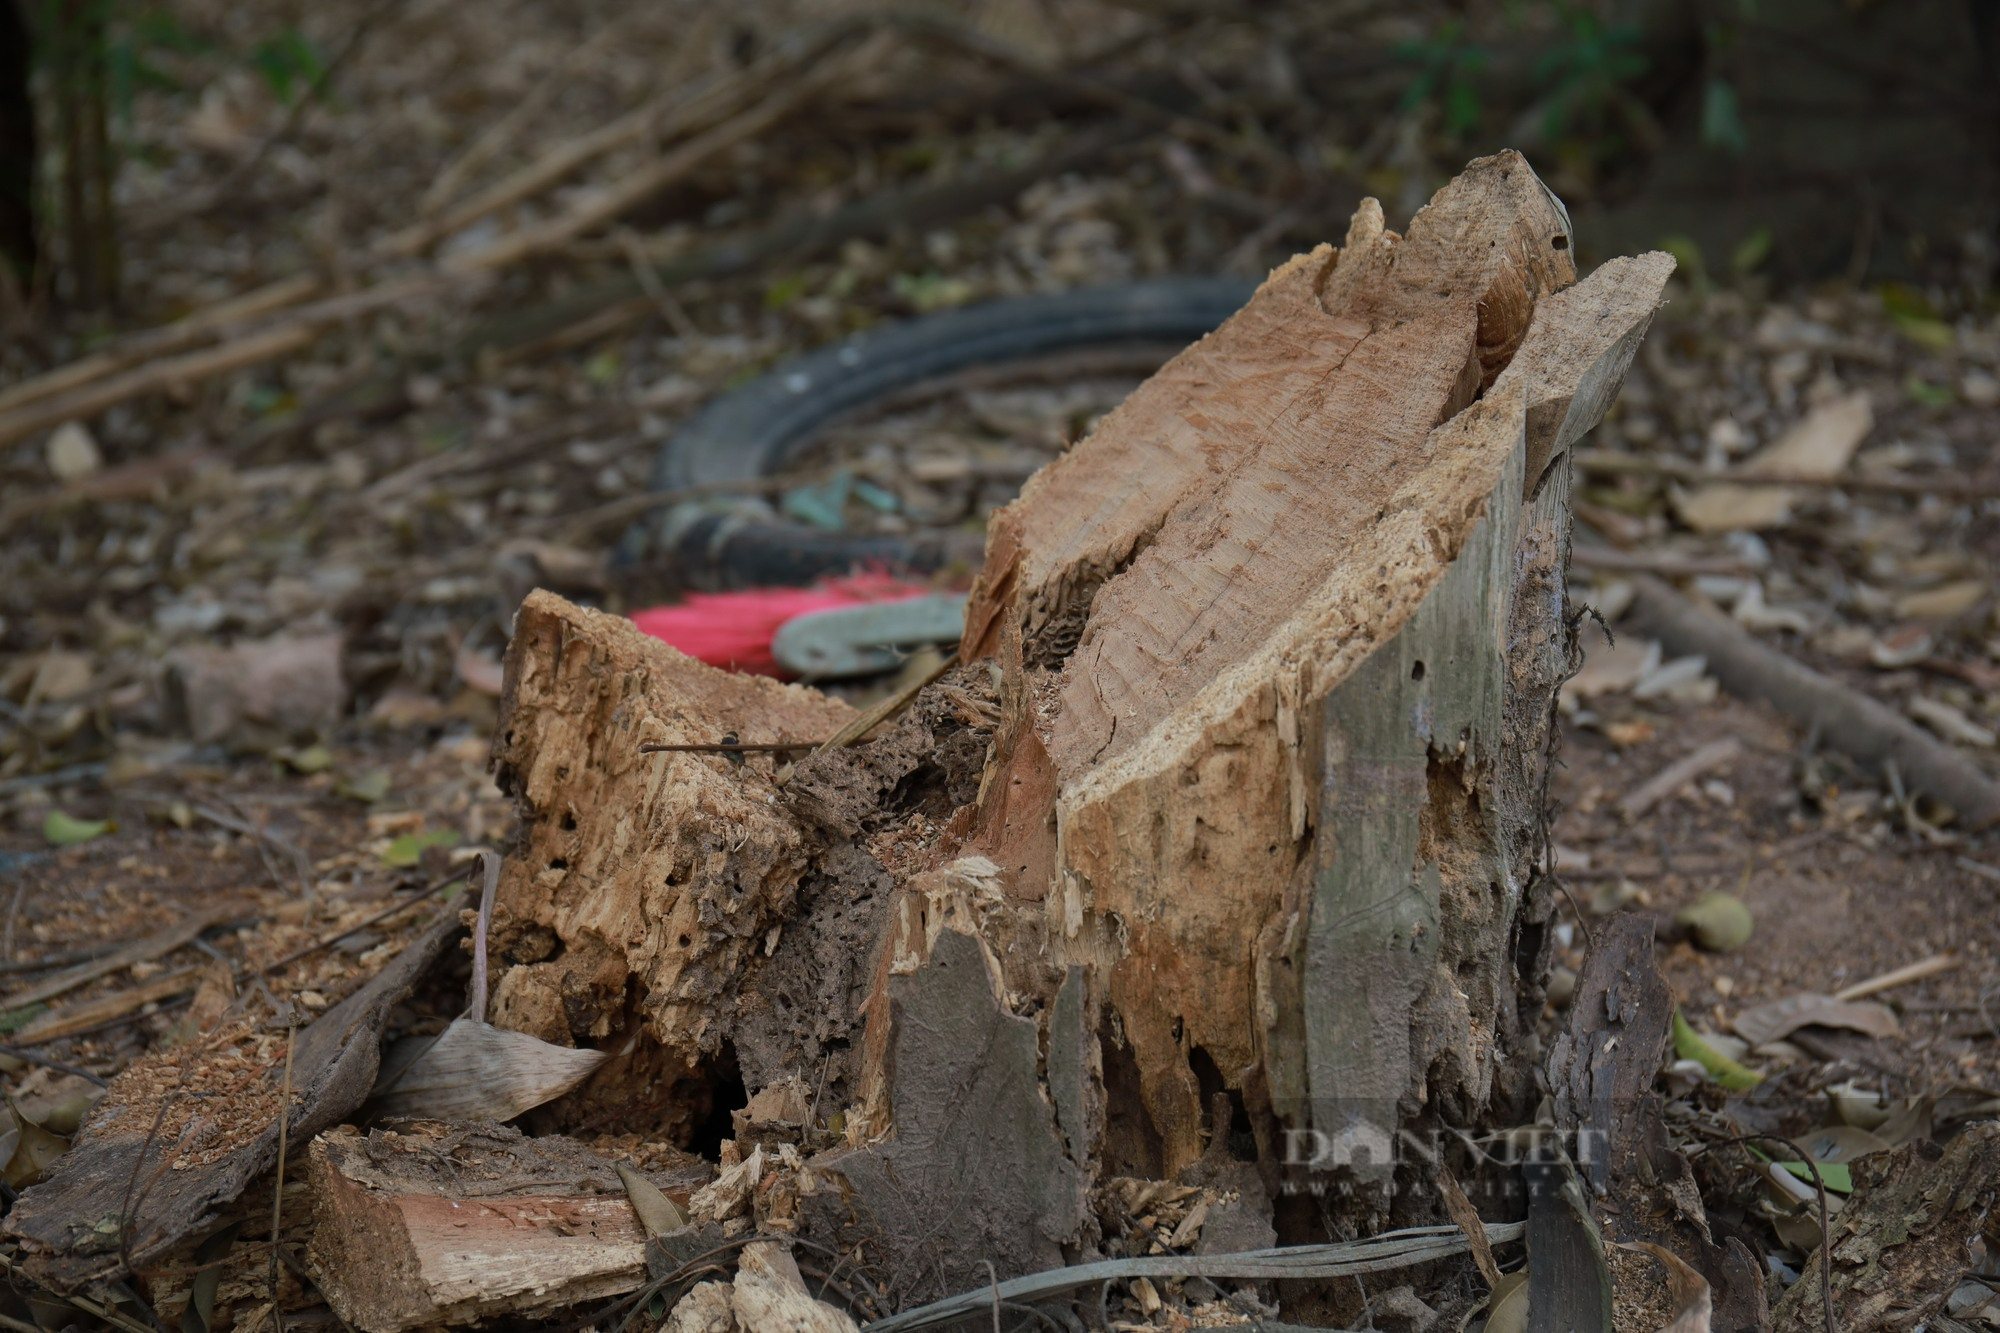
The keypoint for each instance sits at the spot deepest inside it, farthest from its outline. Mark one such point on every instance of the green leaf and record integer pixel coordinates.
(1688, 259)
(1838, 1176)
(1933, 335)
(1688, 1045)
(603, 368)
(409, 849)
(312, 759)
(1925, 394)
(13, 1020)
(1752, 251)
(1722, 118)
(932, 291)
(63, 830)
(1719, 922)
(289, 64)
(1901, 300)
(782, 292)
(367, 788)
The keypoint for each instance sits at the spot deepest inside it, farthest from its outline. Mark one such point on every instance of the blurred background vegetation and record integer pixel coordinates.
(1798, 139)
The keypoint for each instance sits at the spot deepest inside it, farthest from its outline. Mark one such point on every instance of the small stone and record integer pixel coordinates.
(1980, 388)
(72, 453)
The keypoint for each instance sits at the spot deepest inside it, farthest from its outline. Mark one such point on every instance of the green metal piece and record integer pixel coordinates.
(866, 640)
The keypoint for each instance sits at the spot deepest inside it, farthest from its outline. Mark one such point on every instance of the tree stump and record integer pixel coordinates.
(1217, 856)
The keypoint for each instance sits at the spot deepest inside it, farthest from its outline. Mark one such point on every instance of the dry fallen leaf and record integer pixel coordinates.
(1509, 1307)
(1780, 1018)
(1820, 445)
(72, 452)
(1613, 668)
(1947, 601)
(475, 1071)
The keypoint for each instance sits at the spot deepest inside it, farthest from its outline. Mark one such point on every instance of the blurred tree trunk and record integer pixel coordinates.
(18, 250)
(73, 42)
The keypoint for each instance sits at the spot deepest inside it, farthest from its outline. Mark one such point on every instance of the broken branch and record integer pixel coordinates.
(1842, 718)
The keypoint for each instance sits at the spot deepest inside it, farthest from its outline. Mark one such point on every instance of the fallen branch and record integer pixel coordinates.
(287, 333)
(148, 363)
(158, 342)
(1901, 976)
(637, 186)
(72, 1020)
(797, 238)
(1841, 717)
(682, 110)
(444, 188)
(138, 951)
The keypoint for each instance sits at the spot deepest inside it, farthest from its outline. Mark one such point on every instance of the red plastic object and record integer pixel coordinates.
(733, 630)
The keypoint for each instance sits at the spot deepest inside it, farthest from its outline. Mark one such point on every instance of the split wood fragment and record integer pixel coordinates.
(408, 1236)
(84, 1015)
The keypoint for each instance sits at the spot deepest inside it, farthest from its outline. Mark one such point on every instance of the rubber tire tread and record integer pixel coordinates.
(756, 430)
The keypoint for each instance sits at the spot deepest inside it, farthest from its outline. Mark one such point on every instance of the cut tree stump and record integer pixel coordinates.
(1233, 809)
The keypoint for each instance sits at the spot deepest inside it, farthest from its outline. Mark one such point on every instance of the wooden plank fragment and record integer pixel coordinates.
(441, 1225)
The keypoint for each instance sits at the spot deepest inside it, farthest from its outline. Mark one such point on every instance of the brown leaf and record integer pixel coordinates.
(1820, 445)
(1780, 1018)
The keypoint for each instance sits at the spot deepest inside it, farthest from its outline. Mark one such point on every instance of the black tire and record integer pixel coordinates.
(758, 429)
